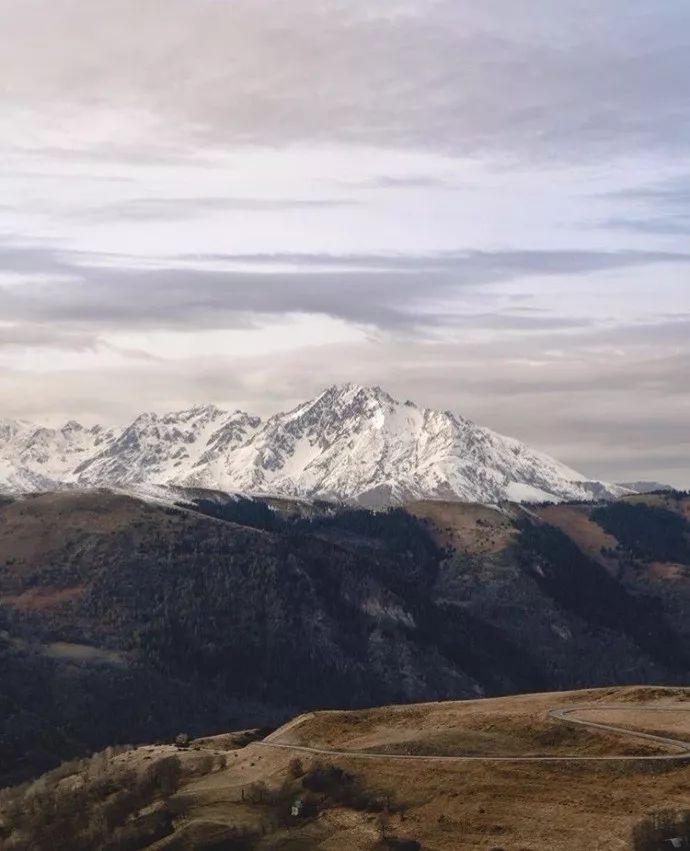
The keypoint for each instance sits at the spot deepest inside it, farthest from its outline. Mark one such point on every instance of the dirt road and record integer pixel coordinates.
(564, 715)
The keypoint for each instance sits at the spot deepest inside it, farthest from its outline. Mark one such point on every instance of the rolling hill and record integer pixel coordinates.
(525, 772)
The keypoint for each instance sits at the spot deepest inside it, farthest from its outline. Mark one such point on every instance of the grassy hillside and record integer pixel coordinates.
(225, 793)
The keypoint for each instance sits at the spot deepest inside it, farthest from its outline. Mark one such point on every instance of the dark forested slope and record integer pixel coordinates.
(125, 621)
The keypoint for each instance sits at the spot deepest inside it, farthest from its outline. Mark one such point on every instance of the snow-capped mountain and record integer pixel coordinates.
(34, 458)
(163, 449)
(350, 443)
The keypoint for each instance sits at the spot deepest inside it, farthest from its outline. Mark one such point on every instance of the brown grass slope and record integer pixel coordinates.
(218, 796)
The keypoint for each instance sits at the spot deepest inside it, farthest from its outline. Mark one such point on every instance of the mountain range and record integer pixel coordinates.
(350, 443)
(123, 619)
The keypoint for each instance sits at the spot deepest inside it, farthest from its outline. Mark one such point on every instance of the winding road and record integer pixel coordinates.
(564, 714)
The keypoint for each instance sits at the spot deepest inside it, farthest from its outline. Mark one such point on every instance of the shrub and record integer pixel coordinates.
(654, 831)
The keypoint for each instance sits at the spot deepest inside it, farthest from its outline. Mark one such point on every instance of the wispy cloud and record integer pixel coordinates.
(181, 209)
(673, 225)
(376, 290)
(669, 193)
(409, 181)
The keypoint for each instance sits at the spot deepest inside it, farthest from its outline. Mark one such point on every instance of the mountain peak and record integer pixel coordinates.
(209, 410)
(352, 442)
(361, 392)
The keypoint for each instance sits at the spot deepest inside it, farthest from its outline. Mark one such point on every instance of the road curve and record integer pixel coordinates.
(559, 714)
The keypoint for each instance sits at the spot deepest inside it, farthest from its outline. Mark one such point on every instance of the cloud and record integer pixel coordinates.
(660, 207)
(409, 181)
(571, 80)
(182, 209)
(677, 225)
(669, 193)
(37, 335)
(388, 292)
(471, 265)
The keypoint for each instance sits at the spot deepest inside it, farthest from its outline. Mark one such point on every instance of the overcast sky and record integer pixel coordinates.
(482, 206)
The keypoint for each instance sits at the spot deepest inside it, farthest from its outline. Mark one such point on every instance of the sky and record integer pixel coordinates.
(482, 207)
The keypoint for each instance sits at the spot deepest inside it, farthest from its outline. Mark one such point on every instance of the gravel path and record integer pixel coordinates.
(564, 715)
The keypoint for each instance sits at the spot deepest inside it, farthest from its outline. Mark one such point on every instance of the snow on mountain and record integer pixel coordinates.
(162, 449)
(39, 458)
(350, 443)
(359, 443)
(645, 486)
